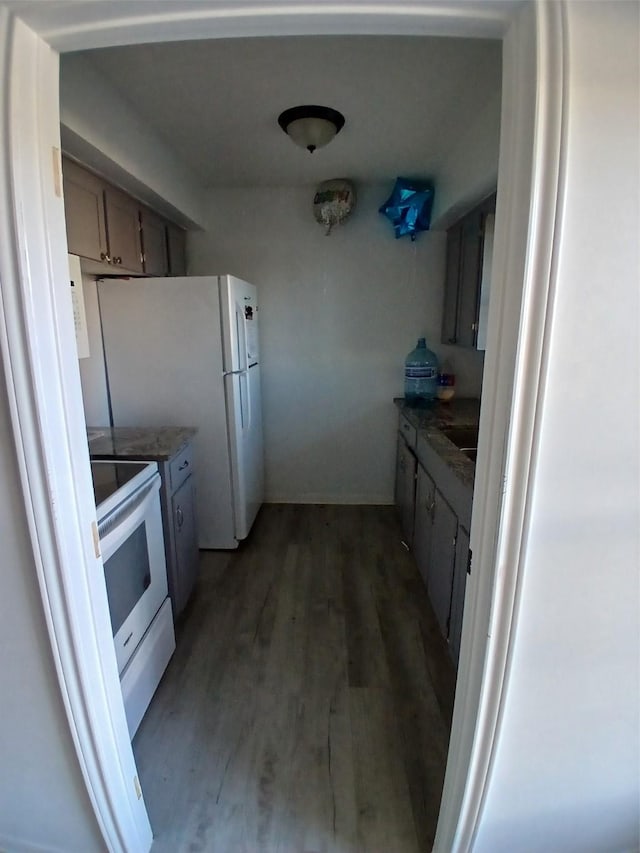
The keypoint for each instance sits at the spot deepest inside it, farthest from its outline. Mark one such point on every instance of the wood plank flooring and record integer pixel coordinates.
(307, 707)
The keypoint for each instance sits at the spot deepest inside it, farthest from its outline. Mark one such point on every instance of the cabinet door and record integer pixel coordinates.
(423, 525)
(154, 243)
(450, 309)
(84, 212)
(183, 509)
(177, 245)
(123, 229)
(405, 489)
(469, 283)
(443, 544)
(464, 274)
(458, 591)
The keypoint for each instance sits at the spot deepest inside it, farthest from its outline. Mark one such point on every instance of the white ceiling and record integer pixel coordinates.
(216, 102)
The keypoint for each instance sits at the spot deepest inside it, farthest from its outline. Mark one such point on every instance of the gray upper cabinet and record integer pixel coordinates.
(84, 213)
(154, 243)
(450, 308)
(177, 499)
(441, 549)
(110, 227)
(434, 507)
(469, 279)
(177, 248)
(464, 277)
(123, 229)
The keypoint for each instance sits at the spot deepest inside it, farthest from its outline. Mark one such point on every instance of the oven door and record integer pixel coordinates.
(135, 571)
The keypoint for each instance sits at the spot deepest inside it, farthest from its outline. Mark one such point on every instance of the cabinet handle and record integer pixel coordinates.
(431, 509)
(105, 257)
(179, 517)
(184, 465)
(117, 260)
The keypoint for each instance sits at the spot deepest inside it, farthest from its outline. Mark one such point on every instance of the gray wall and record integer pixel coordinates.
(338, 315)
(564, 773)
(43, 801)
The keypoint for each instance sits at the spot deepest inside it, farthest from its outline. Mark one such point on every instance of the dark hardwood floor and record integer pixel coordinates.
(307, 707)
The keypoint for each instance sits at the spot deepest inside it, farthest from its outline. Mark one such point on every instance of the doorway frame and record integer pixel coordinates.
(42, 377)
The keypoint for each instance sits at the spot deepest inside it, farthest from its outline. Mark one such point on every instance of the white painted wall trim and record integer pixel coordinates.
(41, 374)
(514, 380)
(87, 24)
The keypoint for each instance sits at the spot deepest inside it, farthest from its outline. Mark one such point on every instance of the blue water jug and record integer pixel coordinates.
(420, 375)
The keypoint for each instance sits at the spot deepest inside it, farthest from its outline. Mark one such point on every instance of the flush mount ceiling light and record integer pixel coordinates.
(311, 126)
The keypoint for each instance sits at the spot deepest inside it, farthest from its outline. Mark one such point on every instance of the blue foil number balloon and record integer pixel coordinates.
(408, 208)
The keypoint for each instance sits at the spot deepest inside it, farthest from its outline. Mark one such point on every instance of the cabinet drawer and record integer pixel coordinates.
(408, 432)
(180, 467)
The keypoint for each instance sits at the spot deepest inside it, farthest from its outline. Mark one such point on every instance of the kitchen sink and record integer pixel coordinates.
(465, 438)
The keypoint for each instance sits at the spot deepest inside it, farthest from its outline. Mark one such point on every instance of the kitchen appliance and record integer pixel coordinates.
(132, 546)
(186, 349)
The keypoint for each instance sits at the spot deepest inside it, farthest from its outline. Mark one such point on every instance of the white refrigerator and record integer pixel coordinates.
(184, 352)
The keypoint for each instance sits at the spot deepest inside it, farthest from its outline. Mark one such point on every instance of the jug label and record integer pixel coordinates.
(421, 372)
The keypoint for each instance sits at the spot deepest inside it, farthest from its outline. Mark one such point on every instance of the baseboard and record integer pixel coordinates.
(331, 500)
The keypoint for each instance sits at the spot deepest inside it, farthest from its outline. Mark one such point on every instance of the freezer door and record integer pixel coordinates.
(244, 411)
(239, 314)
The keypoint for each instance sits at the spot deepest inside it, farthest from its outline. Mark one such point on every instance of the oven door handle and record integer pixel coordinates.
(120, 524)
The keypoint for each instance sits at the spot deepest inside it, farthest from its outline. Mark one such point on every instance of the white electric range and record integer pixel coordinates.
(132, 545)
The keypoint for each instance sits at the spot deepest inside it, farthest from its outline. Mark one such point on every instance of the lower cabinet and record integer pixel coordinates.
(423, 524)
(405, 491)
(458, 590)
(177, 499)
(438, 540)
(442, 560)
(183, 510)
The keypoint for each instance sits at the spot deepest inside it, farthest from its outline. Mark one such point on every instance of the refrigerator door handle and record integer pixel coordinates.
(241, 337)
(245, 400)
(240, 391)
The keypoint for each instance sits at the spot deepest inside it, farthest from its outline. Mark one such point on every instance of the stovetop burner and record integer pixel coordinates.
(108, 477)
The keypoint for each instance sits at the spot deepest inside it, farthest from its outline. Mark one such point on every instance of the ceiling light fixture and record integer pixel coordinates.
(310, 126)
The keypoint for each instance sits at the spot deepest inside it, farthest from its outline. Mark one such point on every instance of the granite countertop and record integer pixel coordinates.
(429, 421)
(144, 443)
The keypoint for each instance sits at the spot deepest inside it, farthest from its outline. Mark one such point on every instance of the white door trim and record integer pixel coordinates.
(40, 365)
(37, 344)
(530, 196)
